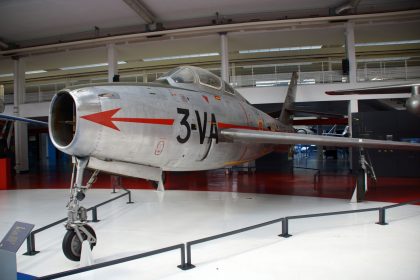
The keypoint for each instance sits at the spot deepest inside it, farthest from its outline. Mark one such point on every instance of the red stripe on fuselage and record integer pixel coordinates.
(144, 120)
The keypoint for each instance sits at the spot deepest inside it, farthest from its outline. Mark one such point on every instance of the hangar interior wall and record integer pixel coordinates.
(397, 126)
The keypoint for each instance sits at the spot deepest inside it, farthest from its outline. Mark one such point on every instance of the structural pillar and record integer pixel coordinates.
(225, 56)
(359, 189)
(353, 108)
(112, 71)
(21, 129)
(351, 51)
(112, 62)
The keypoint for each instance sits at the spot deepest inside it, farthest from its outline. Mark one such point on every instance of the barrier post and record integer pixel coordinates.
(285, 228)
(188, 265)
(30, 245)
(382, 221)
(129, 198)
(95, 215)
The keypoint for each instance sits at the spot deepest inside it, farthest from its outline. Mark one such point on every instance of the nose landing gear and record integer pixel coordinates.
(77, 228)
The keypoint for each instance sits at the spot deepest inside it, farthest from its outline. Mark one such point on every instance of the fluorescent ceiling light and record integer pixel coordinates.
(308, 82)
(301, 48)
(89, 66)
(277, 65)
(26, 73)
(407, 42)
(384, 59)
(179, 57)
(271, 83)
(35, 72)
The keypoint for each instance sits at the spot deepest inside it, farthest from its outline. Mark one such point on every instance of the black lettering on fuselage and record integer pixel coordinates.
(202, 126)
(184, 122)
(213, 129)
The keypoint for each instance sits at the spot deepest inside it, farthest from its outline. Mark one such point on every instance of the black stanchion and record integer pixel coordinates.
(285, 228)
(30, 245)
(382, 221)
(95, 215)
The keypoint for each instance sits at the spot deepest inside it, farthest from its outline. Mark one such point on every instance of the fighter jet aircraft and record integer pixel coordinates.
(189, 119)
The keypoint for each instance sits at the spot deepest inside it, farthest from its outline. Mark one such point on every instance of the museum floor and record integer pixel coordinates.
(201, 204)
(337, 247)
(334, 181)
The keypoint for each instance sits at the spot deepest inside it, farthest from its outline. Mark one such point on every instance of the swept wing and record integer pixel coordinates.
(283, 138)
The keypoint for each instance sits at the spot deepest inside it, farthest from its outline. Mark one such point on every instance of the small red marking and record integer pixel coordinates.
(106, 119)
(260, 124)
(206, 98)
(159, 147)
(217, 97)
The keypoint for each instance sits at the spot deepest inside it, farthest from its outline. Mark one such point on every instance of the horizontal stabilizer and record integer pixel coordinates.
(283, 138)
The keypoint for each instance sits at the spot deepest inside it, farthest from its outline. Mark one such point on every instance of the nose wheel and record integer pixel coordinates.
(72, 241)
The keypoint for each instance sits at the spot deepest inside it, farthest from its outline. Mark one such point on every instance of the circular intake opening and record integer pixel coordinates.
(63, 119)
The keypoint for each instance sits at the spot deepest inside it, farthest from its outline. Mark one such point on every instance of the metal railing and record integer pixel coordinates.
(285, 225)
(30, 240)
(181, 247)
(185, 249)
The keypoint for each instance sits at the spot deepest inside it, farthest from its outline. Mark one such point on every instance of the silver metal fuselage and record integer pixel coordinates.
(170, 128)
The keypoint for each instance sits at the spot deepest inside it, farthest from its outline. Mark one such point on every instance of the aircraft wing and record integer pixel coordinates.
(283, 138)
(393, 89)
(14, 118)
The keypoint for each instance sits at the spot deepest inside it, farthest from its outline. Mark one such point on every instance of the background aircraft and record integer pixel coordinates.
(412, 104)
(189, 119)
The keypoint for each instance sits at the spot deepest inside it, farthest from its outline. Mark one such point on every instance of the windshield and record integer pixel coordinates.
(185, 75)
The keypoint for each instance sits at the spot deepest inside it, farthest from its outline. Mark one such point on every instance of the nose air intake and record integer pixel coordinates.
(63, 119)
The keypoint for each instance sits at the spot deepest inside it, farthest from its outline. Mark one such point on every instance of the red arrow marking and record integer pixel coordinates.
(106, 119)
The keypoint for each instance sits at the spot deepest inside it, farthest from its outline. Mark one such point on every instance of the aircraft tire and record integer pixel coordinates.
(72, 247)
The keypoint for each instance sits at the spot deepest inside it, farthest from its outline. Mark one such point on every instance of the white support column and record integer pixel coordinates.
(21, 129)
(351, 51)
(353, 108)
(112, 62)
(225, 56)
(145, 77)
(112, 71)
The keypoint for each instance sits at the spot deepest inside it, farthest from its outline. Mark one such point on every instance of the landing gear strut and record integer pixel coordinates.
(77, 228)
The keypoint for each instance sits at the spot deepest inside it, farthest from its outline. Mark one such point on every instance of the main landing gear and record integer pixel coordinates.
(77, 228)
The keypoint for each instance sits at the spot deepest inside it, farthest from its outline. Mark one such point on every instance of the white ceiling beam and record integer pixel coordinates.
(139, 7)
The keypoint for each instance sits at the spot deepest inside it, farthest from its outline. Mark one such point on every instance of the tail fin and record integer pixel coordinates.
(286, 116)
(1, 98)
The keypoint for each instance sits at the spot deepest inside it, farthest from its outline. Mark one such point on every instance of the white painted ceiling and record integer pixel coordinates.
(32, 20)
(35, 22)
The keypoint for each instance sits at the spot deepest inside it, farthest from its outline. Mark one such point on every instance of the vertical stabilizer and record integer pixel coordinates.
(286, 116)
(1, 98)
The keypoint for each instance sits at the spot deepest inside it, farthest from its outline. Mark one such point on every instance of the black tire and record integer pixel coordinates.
(72, 247)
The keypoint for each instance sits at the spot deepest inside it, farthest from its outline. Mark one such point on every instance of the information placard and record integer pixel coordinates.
(16, 236)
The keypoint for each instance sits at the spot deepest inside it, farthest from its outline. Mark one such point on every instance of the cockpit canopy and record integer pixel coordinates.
(194, 78)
